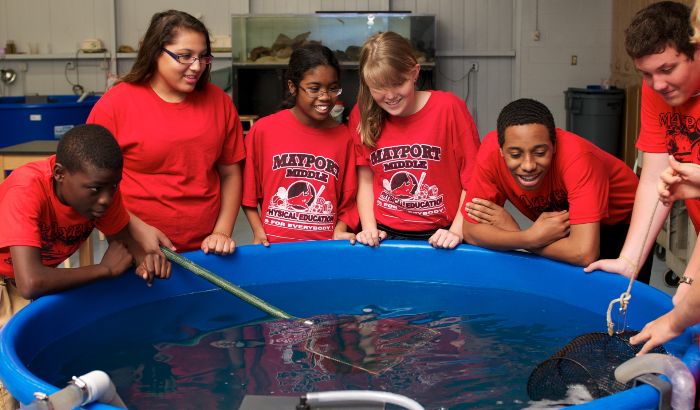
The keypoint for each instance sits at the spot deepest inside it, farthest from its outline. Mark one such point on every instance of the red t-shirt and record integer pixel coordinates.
(171, 151)
(421, 163)
(674, 130)
(592, 184)
(303, 177)
(32, 215)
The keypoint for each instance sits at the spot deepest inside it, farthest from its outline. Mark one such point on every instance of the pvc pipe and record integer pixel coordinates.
(100, 388)
(346, 397)
(88, 388)
(682, 382)
(83, 96)
(69, 397)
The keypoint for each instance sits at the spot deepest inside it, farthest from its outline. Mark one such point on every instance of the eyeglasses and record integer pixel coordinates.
(189, 59)
(315, 92)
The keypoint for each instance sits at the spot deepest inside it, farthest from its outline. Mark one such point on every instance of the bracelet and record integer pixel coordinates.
(221, 233)
(629, 262)
(685, 279)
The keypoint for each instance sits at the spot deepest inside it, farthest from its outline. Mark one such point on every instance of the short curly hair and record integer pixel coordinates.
(89, 145)
(658, 26)
(522, 112)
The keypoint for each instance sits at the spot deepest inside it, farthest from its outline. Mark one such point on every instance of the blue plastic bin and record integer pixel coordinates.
(22, 122)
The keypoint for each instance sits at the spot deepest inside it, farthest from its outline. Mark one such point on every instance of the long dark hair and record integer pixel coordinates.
(303, 59)
(162, 31)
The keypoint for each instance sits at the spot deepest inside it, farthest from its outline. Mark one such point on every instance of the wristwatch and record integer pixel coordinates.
(685, 279)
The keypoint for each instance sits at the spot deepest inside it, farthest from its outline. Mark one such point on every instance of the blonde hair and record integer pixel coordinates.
(386, 59)
(695, 22)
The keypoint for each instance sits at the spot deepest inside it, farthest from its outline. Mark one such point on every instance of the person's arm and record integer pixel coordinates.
(144, 242)
(219, 241)
(643, 228)
(487, 212)
(450, 238)
(549, 227)
(340, 233)
(256, 225)
(35, 280)
(581, 247)
(369, 235)
(691, 270)
(679, 181)
(672, 324)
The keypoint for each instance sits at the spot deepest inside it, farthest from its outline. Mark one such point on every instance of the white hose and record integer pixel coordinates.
(682, 382)
(360, 397)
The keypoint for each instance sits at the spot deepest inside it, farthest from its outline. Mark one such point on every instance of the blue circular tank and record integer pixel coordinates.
(52, 317)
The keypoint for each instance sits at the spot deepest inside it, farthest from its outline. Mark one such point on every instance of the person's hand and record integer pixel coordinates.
(116, 259)
(218, 243)
(656, 333)
(153, 265)
(679, 181)
(548, 228)
(487, 212)
(445, 239)
(344, 236)
(148, 237)
(371, 237)
(681, 292)
(621, 265)
(260, 238)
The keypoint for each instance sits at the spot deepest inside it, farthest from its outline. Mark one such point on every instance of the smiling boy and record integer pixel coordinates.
(579, 196)
(658, 40)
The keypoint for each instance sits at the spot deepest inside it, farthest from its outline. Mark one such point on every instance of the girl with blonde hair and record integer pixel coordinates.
(415, 149)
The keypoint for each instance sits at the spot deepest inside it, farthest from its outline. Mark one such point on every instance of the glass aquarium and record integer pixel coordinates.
(270, 39)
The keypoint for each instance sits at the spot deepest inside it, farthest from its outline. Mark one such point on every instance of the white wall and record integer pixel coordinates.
(567, 27)
(496, 34)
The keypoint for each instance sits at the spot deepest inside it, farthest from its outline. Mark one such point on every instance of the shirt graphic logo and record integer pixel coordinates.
(682, 137)
(414, 156)
(411, 194)
(58, 240)
(301, 165)
(556, 201)
(301, 207)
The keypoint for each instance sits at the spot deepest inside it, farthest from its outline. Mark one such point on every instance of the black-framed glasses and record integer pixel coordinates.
(315, 92)
(189, 59)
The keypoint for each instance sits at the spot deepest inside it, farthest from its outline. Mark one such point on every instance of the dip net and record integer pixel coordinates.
(589, 361)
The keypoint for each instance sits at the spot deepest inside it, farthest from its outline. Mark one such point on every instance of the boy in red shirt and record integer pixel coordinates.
(49, 208)
(579, 196)
(658, 40)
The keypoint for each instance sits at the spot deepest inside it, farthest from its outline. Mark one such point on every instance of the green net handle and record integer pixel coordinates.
(225, 285)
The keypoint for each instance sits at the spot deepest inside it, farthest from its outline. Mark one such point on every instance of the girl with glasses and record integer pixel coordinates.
(415, 150)
(181, 137)
(300, 165)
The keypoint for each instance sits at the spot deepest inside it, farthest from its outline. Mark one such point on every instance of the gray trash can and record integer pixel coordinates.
(596, 115)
